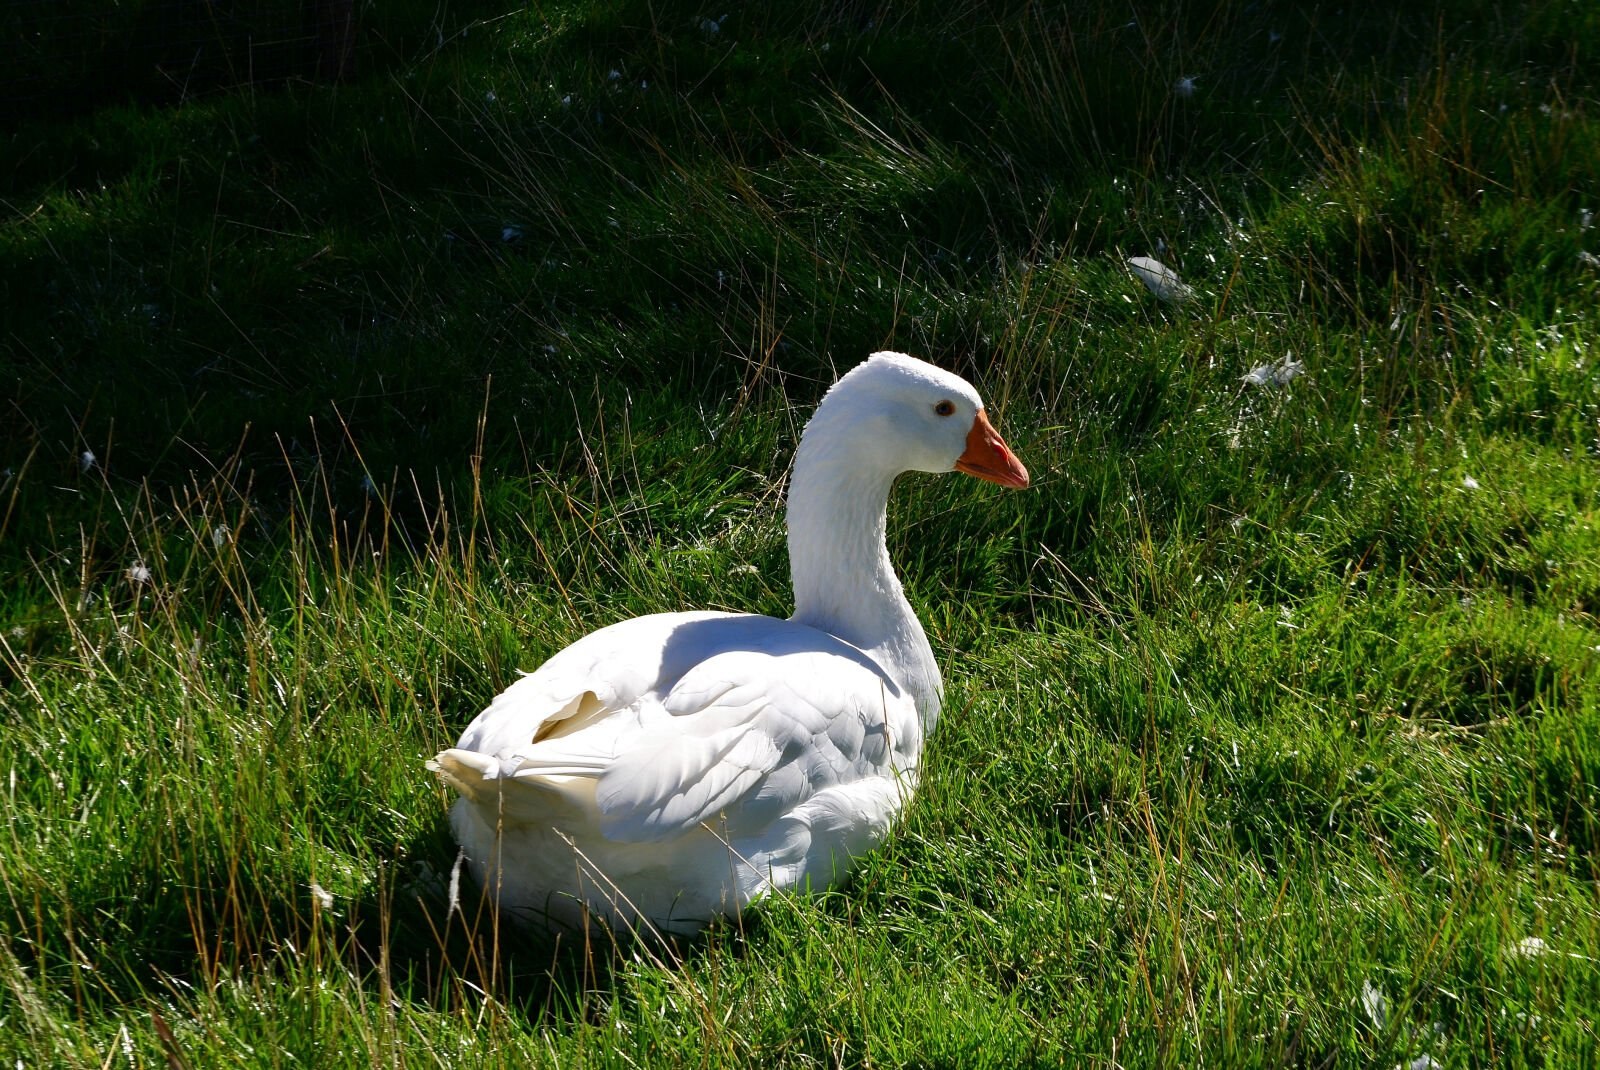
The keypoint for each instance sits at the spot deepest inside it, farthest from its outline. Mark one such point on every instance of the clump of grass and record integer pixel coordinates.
(1270, 728)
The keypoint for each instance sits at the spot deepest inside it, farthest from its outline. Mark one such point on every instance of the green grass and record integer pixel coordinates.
(1260, 702)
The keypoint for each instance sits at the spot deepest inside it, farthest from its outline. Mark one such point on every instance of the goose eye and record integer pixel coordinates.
(945, 408)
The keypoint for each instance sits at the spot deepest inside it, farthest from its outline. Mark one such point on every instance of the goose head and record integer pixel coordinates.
(894, 413)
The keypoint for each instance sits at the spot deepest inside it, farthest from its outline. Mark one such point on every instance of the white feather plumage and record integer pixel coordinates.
(672, 768)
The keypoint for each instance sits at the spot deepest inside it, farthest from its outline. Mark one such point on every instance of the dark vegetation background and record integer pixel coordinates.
(361, 230)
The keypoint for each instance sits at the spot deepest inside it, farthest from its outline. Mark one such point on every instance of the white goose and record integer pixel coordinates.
(669, 769)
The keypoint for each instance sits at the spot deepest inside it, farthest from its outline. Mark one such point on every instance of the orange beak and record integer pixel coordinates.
(988, 456)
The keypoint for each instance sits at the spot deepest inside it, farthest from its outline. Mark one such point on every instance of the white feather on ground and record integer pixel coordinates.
(1160, 280)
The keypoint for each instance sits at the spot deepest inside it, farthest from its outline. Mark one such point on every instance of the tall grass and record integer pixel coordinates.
(1273, 725)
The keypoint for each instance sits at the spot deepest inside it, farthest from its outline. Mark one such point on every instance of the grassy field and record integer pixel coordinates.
(1272, 735)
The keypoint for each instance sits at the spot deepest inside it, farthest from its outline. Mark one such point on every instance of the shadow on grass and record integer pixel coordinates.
(238, 923)
(437, 941)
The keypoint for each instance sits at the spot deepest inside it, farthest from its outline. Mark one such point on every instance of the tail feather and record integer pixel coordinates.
(474, 776)
(510, 785)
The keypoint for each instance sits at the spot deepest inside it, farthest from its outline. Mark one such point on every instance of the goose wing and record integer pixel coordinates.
(683, 720)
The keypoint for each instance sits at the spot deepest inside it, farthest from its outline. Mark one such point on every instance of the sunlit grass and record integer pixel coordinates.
(1272, 734)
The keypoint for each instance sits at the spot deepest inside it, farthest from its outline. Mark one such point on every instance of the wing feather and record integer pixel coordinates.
(681, 781)
(735, 722)
(751, 736)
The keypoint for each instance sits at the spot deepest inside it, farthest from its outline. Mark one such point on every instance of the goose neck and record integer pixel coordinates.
(844, 583)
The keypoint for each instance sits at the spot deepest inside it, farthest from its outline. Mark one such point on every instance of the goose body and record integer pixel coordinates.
(670, 769)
